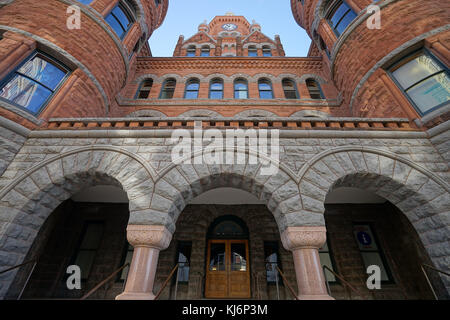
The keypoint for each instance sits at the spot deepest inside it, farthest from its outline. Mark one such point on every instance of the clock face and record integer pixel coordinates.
(229, 26)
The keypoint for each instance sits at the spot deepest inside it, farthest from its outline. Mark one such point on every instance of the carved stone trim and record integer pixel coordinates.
(295, 238)
(157, 237)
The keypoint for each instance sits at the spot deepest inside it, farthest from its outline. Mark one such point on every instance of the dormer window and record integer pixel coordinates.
(190, 52)
(205, 52)
(252, 51)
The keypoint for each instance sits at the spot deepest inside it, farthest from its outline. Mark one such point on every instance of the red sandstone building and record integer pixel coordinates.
(87, 178)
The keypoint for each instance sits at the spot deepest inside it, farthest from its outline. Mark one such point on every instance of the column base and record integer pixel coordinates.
(315, 297)
(135, 296)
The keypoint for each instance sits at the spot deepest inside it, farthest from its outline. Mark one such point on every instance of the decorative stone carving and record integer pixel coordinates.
(157, 237)
(295, 238)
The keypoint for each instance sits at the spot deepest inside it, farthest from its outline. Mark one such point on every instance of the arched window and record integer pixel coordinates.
(168, 89)
(190, 52)
(240, 89)
(314, 89)
(121, 18)
(267, 51)
(290, 91)
(192, 87)
(144, 89)
(216, 89)
(340, 17)
(205, 51)
(252, 51)
(265, 89)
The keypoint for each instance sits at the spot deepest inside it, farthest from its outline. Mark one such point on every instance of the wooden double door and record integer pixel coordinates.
(227, 269)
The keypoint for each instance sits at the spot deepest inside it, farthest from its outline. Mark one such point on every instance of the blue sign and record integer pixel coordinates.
(364, 238)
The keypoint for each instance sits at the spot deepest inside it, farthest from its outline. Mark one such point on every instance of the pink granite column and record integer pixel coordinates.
(304, 242)
(147, 242)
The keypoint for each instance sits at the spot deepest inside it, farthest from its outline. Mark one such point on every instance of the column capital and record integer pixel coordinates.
(150, 236)
(294, 238)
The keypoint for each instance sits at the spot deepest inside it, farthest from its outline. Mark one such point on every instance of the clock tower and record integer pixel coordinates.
(229, 36)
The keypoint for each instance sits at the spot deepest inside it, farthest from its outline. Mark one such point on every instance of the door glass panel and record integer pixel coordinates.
(217, 257)
(238, 257)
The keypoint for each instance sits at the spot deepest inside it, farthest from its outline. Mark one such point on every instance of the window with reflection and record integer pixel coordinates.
(265, 89)
(217, 257)
(205, 51)
(290, 91)
(240, 89)
(315, 92)
(121, 18)
(340, 17)
(144, 89)
(424, 80)
(168, 89)
(190, 52)
(192, 88)
(272, 260)
(267, 51)
(252, 51)
(216, 89)
(33, 83)
(183, 260)
(238, 257)
(85, 2)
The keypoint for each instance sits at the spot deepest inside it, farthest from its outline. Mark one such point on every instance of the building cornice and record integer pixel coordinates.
(219, 63)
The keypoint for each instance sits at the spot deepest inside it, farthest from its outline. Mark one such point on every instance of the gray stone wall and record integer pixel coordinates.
(10, 144)
(406, 168)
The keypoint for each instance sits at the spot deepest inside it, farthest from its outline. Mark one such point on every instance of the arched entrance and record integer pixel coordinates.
(227, 262)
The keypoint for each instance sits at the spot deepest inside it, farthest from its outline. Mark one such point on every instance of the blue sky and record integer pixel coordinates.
(274, 16)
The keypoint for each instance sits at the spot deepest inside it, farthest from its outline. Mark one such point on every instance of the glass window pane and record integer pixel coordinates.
(339, 13)
(85, 260)
(349, 17)
(216, 95)
(325, 260)
(25, 93)
(216, 86)
(431, 92)
(43, 72)
(415, 70)
(217, 257)
(238, 257)
(265, 95)
(373, 258)
(193, 86)
(115, 25)
(122, 17)
(191, 95)
(86, 2)
(264, 86)
(241, 94)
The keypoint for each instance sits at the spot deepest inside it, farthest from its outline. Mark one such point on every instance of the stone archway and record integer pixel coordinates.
(422, 196)
(302, 232)
(27, 201)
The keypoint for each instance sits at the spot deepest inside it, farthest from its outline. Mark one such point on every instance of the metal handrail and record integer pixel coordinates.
(428, 279)
(342, 279)
(167, 281)
(34, 261)
(18, 266)
(287, 283)
(101, 284)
